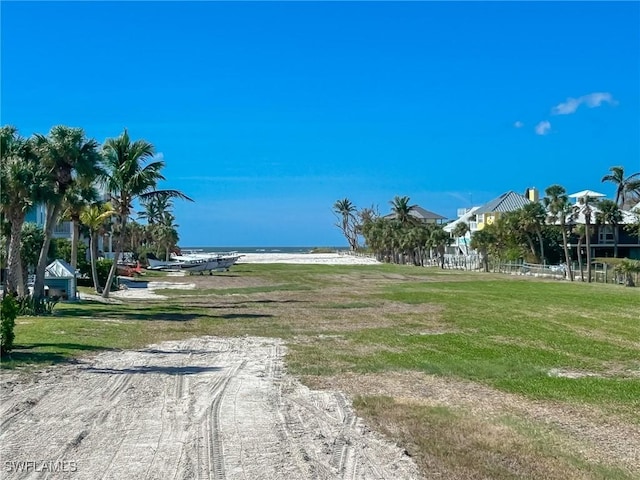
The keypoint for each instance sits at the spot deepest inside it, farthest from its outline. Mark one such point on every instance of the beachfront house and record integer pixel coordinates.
(507, 202)
(478, 217)
(64, 229)
(422, 215)
(602, 236)
(37, 215)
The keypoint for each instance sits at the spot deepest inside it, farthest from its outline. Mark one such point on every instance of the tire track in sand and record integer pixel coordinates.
(207, 408)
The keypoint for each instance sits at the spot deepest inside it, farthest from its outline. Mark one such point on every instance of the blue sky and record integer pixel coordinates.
(267, 113)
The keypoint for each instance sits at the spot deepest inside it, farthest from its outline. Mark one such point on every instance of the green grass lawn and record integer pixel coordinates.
(550, 341)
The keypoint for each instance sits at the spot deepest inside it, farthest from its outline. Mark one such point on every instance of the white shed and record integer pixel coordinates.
(60, 277)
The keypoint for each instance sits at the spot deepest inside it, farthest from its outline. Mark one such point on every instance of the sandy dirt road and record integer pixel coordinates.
(205, 408)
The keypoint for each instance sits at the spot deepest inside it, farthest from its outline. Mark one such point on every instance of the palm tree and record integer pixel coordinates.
(22, 182)
(628, 267)
(402, 210)
(558, 205)
(626, 187)
(68, 157)
(155, 208)
(609, 213)
(532, 217)
(460, 231)
(78, 197)
(345, 210)
(439, 239)
(30, 242)
(513, 235)
(94, 218)
(131, 173)
(166, 235)
(581, 232)
(482, 240)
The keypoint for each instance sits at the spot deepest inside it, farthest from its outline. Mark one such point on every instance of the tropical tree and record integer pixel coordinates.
(132, 173)
(439, 239)
(402, 210)
(365, 216)
(67, 157)
(167, 238)
(22, 182)
(580, 231)
(79, 196)
(419, 235)
(634, 227)
(94, 218)
(512, 238)
(628, 267)
(373, 233)
(626, 187)
(559, 207)
(532, 218)
(31, 241)
(345, 210)
(482, 241)
(460, 231)
(609, 213)
(155, 208)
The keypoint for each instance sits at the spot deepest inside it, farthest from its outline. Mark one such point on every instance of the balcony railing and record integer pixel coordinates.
(62, 229)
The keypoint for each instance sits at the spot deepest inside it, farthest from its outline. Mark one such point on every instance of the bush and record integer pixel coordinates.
(9, 312)
(103, 266)
(36, 306)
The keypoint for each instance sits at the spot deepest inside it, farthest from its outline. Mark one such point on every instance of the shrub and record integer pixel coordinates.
(36, 306)
(627, 268)
(103, 266)
(9, 312)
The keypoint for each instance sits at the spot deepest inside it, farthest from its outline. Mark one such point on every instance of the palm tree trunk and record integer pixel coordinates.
(114, 267)
(75, 235)
(15, 277)
(532, 247)
(49, 224)
(539, 232)
(94, 259)
(615, 241)
(588, 241)
(485, 260)
(566, 252)
(579, 248)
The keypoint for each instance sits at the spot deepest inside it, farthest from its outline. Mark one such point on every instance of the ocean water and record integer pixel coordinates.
(259, 249)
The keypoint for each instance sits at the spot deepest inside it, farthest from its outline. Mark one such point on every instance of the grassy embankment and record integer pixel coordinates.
(472, 373)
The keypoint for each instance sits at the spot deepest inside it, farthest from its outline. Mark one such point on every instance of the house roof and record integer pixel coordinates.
(421, 214)
(507, 202)
(464, 218)
(578, 217)
(587, 193)
(59, 268)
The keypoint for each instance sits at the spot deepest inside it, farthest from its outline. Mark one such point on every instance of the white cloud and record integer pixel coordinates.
(543, 127)
(591, 100)
(518, 124)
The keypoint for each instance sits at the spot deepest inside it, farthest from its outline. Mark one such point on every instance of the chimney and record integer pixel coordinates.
(532, 194)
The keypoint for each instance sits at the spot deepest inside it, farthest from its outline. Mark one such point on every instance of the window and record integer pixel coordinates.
(605, 234)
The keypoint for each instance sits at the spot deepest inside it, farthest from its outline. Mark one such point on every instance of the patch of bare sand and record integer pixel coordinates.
(598, 437)
(207, 407)
(337, 258)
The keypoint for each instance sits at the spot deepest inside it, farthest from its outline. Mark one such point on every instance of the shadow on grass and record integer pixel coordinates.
(164, 369)
(29, 355)
(235, 316)
(172, 313)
